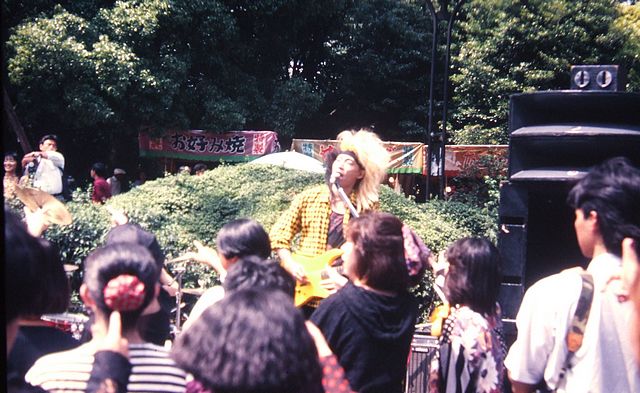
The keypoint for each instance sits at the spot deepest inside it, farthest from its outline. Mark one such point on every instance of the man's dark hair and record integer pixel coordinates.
(612, 190)
(243, 237)
(47, 137)
(251, 341)
(255, 272)
(474, 274)
(100, 169)
(199, 167)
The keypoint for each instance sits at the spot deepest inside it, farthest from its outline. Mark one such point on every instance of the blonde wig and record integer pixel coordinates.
(373, 157)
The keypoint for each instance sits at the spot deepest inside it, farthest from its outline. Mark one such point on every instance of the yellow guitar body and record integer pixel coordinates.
(315, 268)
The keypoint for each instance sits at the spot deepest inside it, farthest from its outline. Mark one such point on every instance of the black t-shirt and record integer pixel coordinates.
(370, 334)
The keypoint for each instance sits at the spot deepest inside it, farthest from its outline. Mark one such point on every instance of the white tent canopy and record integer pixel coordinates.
(291, 160)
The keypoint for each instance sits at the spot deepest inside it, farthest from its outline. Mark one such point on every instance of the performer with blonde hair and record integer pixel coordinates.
(318, 215)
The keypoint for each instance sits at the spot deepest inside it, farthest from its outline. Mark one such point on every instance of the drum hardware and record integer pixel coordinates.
(179, 272)
(67, 322)
(54, 211)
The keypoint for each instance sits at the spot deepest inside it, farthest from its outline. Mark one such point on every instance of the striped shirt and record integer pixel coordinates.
(152, 370)
(308, 215)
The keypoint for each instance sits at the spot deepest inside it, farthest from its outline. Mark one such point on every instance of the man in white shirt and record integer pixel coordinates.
(607, 208)
(45, 166)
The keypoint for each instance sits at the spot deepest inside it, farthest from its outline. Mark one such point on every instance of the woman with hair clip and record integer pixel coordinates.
(236, 239)
(369, 323)
(472, 351)
(124, 278)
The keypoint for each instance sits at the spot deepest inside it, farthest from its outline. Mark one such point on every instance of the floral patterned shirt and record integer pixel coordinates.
(471, 354)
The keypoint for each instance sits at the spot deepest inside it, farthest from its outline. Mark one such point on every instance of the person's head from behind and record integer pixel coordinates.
(10, 163)
(49, 142)
(374, 252)
(240, 238)
(134, 234)
(251, 341)
(607, 206)
(199, 169)
(473, 276)
(99, 169)
(255, 272)
(35, 281)
(120, 277)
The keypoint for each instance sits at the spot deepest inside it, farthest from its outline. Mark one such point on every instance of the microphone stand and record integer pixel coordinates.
(345, 198)
(179, 272)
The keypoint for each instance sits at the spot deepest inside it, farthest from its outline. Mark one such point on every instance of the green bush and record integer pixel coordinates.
(181, 208)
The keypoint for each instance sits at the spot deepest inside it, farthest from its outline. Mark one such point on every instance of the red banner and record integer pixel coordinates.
(236, 146)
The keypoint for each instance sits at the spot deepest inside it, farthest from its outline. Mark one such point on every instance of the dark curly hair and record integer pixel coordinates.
(255, 272)
(474, 274)
(252, 341)
(116, 259)
(379, 251)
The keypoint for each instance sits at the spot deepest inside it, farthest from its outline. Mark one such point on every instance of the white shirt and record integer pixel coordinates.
(210, 297)
(114, 185)
(48, 176)
(604, 362)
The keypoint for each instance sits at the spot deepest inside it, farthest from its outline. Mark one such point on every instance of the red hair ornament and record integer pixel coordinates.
(124, 293)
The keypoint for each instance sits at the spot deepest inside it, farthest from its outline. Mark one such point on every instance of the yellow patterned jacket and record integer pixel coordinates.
(308, 216)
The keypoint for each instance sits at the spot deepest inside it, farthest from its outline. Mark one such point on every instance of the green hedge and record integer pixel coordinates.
(183, 208)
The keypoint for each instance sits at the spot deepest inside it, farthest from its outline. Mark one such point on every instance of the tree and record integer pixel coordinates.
(511, 46)
(379, 67)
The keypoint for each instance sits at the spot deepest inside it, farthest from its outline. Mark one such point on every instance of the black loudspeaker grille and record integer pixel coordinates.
(423, 349)
(558, 136)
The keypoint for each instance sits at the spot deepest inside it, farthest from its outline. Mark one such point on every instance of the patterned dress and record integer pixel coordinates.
(471, 354)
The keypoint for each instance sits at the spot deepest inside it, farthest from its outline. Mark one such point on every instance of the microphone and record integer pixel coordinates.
(335, 179)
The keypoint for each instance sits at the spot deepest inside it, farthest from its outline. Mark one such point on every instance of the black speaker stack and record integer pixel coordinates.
(555, 137)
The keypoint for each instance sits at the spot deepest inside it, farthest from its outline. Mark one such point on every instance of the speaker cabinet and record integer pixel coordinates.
(555, 138)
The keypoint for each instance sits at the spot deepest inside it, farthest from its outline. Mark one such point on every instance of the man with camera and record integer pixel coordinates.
(44, 168)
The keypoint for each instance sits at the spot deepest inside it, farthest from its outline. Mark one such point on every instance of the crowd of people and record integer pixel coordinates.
(43, 169)
(577, 331)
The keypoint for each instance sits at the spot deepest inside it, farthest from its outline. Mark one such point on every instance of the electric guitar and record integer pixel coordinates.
(316, 270)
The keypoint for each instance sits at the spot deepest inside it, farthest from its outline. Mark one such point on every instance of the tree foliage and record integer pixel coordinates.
(303, 68)
(512, 46)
